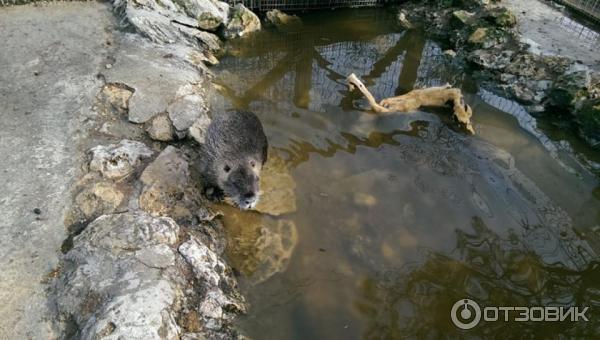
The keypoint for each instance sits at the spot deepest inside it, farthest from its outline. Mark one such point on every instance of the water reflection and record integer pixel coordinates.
(415, 300)
(398, 216)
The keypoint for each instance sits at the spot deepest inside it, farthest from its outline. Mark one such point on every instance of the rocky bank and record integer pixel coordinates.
(144, 256)
(483, 37)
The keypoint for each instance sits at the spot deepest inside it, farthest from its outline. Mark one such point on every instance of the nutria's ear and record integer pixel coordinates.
(265, 152)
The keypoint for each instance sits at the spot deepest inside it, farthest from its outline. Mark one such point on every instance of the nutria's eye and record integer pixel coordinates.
(252, 164)
(226, 168)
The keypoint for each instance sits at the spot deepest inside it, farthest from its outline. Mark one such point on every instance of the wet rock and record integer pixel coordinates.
(278, 188)
(242, 22)
(462, 18)
(404, 22)
(98, 199)
(282, 20)
(501, 16)
(221, 301)
(116, 161)
(570, 88)
(490, 59)
(478, 36)
(588, 117)
(260, 246)
(161, 128)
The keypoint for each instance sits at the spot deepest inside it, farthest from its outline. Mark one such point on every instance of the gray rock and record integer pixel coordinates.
(97, 199)
(242, 21)
(115, 161)
(125, 279)
(155, 78)
(168, 22)
(462, 18)
(189, 106)
(570, 88)
(106, 291)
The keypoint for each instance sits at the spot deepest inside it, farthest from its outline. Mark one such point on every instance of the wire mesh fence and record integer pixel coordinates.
(291, 5)
(590, 8)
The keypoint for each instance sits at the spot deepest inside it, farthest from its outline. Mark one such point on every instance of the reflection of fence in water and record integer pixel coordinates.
(587, 36)
(590, 8)
(317, 73)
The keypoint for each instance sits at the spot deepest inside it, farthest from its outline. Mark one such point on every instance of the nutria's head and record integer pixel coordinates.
(239, 180)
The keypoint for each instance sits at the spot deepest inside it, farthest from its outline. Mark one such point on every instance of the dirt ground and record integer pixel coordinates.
(49, 59)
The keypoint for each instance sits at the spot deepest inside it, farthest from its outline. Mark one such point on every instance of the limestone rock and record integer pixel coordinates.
(570, 88)
(277, 188)
(106, 291)
(242, 22)
(209, 22)
(462, 18)
(501, 16)
(282, 20)
(115, 161)
(98, 199)
(161, 128)
(189, 106)
(165, 181)
(198, 129)
(114, 97)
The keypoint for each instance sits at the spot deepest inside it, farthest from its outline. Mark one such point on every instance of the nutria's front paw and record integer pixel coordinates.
(214, 194)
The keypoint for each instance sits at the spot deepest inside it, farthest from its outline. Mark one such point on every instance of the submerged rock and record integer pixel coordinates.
(242, 22)
(278, 188)
(115, 161)
(259, 246)
(282, 20)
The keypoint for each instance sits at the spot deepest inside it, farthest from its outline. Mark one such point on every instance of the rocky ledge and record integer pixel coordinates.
(144, 256)
(482, 37)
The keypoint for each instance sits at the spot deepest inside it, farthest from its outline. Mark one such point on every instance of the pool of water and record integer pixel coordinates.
(400, 216)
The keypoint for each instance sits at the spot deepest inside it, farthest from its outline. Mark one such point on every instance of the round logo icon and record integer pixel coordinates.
(465, 314)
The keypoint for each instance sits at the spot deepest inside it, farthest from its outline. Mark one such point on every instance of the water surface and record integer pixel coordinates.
(400, 216)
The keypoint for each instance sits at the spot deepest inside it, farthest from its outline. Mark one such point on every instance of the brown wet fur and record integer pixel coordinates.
(413, 100)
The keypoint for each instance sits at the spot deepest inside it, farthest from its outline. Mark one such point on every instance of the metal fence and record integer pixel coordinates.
(292, 5)
(590, 8)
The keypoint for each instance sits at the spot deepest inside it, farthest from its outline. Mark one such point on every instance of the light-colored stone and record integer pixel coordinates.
(115, 161)
(242, 22)
(198, 129)
(161, 128)
(100, 198)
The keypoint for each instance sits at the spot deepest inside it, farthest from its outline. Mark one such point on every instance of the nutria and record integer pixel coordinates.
(233, 154)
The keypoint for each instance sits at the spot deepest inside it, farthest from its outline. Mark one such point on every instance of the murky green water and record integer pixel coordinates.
(400, 216)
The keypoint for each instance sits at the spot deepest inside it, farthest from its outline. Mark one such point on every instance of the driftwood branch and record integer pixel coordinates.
(413, 100)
